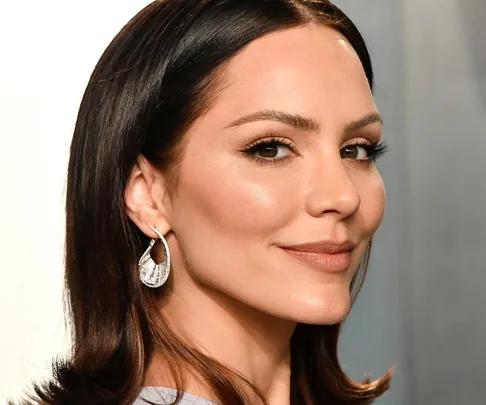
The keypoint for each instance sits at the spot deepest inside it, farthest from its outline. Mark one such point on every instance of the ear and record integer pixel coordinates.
(146, 198)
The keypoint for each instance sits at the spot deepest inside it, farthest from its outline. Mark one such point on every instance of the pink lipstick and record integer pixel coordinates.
(327, 256)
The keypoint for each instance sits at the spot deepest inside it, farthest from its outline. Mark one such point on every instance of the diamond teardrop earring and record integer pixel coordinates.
(153, 274)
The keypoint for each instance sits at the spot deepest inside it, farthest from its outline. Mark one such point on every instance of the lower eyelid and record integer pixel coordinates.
(263, 161)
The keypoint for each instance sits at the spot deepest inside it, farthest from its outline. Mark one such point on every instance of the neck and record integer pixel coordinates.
(251, 343)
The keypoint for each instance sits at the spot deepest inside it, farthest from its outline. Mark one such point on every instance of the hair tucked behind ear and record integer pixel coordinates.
(157, 76)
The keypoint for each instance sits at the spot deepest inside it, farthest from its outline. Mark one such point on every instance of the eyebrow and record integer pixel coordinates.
(303, 123)
(369, 119)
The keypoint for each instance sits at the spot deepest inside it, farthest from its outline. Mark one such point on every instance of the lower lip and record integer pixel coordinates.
(330, 263)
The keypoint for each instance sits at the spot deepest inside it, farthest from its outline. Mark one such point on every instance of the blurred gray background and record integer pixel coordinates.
(423, 306)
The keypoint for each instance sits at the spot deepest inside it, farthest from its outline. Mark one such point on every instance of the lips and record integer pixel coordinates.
(327, 256)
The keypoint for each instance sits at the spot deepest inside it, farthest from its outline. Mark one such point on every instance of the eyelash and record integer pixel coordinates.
(374, 151)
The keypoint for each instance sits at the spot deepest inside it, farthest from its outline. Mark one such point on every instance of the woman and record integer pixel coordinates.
(222, 196)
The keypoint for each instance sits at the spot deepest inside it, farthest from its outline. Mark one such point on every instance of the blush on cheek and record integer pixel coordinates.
(372, 208)
(378, 208)
(232, 202)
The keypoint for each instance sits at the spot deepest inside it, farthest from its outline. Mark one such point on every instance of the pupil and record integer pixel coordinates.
(269, 151)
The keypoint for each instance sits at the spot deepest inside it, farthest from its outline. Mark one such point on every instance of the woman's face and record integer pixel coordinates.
(283, 158)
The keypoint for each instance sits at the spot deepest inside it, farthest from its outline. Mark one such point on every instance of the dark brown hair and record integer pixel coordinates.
(156, 77)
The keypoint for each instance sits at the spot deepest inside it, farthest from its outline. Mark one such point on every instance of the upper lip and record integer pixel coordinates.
(329, 247)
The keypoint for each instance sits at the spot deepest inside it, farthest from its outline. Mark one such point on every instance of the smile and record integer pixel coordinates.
(331, 263)
(324, 256)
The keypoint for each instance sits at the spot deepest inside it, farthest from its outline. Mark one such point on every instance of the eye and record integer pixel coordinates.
(270, 149)
(364, 151)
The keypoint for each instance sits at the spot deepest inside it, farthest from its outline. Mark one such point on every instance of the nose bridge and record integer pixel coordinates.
(332, 189)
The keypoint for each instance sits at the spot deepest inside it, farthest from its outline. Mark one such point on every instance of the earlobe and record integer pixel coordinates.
(144, 199)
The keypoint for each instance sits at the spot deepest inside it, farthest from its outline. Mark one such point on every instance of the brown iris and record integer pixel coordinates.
(267, 150)
(350, 152)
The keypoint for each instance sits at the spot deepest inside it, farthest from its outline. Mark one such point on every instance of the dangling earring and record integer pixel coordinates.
(153, 274)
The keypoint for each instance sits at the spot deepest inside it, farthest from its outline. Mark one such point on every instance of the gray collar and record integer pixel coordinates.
(164, 396)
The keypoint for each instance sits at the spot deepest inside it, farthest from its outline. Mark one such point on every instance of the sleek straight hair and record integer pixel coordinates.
(161, 72)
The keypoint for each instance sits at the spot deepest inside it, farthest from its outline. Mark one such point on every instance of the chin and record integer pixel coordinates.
(324, 309)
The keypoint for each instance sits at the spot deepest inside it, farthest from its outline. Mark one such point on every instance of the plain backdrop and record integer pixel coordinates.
(423, 306)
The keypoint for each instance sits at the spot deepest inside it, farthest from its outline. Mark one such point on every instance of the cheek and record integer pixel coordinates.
(233, 202)
(373, 199)
(225, 216)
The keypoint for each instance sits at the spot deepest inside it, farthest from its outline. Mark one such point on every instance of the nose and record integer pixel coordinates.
(333, 191)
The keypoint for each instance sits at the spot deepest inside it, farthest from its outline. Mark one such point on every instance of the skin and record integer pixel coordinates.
(233, 292)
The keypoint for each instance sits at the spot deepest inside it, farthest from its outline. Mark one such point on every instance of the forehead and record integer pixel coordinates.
(309, 69)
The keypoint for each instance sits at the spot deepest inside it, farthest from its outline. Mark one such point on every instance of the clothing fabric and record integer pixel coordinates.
(165, 396)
